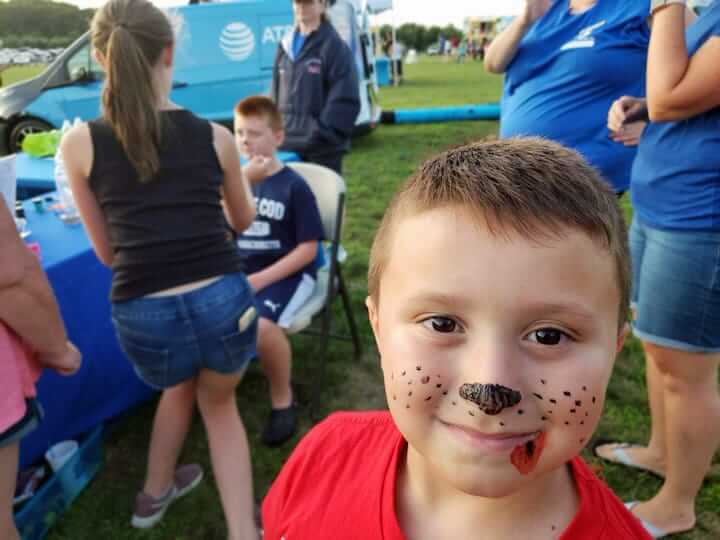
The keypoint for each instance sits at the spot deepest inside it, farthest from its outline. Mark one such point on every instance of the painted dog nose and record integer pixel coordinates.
(491, 398)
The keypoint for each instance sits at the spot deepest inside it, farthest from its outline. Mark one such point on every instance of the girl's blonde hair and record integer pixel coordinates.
(131, 35)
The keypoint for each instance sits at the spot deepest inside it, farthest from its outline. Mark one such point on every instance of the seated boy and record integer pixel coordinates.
(498, 287)
(280, 247)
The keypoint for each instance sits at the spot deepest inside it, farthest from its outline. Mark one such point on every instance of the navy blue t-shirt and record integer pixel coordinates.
(568, 70)
(287, 215)
(676, 177)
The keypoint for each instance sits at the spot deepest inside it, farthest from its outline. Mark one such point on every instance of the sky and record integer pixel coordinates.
(427, 12)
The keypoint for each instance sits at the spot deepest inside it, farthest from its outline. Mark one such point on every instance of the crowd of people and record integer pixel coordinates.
(494, 382)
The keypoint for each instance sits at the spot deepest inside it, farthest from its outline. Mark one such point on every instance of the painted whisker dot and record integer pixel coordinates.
(425, 379)
(584, 388)
(394, 397)
(573, 411)
(544, 418)
(537, 395)
(418, 368)
(582, 441)
(428, 398)
(549, 412)
(409, 383)
(445, 393)
(593, 400)
(438, 385)
(521, 411)
(567, 423)
(543, 381)
(471, 413)
(587, 414)
(454, 403)
(409, 393)
(502, 423)
(578, 403)
(582, 422)
(407, 406)
(403, 372)
(567, 394)
(553, 401)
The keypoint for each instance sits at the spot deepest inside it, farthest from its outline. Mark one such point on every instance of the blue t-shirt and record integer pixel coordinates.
(287, 215)
(568, 70)
(676, 176)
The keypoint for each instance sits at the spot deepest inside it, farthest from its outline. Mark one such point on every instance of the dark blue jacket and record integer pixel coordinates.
(317, 93)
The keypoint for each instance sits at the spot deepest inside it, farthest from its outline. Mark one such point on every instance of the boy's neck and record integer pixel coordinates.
(426, 505)
(275, 166)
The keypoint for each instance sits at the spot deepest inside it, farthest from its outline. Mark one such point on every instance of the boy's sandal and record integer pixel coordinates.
(619, 454)
(652, 530)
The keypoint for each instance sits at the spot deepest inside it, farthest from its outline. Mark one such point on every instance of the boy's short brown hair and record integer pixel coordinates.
(261, 106)
(529, 186)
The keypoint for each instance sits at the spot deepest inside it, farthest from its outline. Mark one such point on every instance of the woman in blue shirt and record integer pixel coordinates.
(675, 244)
(565, 61)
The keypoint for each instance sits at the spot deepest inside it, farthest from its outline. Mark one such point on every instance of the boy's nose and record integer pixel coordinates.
(490, 398)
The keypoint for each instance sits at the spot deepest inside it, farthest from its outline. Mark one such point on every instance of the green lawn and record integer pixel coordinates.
(376, 165)
(19, 73)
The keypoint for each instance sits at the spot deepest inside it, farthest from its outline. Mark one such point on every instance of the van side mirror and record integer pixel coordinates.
(81, 75)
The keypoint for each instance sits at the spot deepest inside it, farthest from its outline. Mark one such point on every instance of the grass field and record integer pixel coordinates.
(376, 165)
(19, 73)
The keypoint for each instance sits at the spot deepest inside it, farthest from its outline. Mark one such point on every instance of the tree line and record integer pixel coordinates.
(419, 37)
(41, 23)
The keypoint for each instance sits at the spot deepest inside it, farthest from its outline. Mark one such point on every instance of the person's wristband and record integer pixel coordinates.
(657, 5)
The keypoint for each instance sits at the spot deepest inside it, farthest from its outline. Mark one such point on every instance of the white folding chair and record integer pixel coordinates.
(329, 190)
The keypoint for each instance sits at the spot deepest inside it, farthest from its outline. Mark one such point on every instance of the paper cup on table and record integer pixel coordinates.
(57, 456)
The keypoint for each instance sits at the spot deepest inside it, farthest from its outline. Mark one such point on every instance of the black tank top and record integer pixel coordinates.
(171, 230)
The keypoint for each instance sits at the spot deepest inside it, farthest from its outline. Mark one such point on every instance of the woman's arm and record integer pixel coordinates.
(680, 87)
(78, 162)
(27, 303)
(503, 48)
(237, 199)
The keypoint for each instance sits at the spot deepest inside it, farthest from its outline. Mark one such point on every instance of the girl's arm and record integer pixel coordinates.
(238, 202)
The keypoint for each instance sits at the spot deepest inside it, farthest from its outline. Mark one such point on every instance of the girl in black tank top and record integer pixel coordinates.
(159, 191)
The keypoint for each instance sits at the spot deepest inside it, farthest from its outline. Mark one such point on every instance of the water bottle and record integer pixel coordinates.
(68, 210)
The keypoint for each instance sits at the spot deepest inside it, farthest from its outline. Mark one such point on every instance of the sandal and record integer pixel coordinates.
(621, 457)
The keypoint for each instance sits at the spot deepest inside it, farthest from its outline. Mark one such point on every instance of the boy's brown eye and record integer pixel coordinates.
(548, 336)
(443, 325)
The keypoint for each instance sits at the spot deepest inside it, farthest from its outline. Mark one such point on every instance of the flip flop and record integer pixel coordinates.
(652, 530)
(621, 457)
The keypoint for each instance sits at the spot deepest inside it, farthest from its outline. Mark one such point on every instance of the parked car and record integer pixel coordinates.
(433, 50)
(224, 52)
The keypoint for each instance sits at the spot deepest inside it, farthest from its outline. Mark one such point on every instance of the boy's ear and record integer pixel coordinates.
(622, 334)
(279, 137)
(373, 317)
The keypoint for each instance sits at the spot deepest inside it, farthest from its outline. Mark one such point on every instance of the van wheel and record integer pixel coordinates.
(24, 127)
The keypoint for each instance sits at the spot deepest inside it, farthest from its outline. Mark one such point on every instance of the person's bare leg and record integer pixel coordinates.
(8, 477)
(276, 362)
(170, 427)
(229, 451)
(692, 430)
(652, 456)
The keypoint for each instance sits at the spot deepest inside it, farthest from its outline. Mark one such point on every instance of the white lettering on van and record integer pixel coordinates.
(275, 33)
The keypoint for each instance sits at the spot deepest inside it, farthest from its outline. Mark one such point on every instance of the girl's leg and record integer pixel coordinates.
(8, 477)
(229, 451)
(692, 432)
(170, 427)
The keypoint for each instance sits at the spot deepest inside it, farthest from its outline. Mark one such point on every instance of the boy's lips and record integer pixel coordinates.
(498, 442)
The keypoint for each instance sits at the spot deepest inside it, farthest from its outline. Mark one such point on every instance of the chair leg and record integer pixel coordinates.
(319, 382)
(349, 314)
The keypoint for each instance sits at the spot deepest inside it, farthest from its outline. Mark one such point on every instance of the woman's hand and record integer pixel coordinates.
(66, 363)
(624, 110)
(629, 134)
(534, 9)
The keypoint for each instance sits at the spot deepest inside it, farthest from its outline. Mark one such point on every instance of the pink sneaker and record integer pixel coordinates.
(149, 510)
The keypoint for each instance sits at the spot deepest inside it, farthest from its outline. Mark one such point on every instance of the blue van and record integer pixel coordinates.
(224, 52)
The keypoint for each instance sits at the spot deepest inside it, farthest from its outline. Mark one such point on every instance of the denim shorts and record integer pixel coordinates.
(676, 287)
(24, 426)
(169, 339)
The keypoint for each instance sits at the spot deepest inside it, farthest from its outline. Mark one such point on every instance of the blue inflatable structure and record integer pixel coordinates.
(483, 111)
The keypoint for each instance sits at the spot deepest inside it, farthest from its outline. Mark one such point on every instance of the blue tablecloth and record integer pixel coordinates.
(36, 175)
(106, 385)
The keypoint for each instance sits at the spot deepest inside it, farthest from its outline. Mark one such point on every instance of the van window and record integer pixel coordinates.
(82, 63)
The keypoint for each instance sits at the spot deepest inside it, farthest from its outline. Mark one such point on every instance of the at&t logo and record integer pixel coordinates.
(237, 41)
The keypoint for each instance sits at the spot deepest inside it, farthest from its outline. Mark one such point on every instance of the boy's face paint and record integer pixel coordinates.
(463, 308)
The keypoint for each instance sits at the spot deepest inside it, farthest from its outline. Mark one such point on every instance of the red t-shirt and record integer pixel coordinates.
(340, 483)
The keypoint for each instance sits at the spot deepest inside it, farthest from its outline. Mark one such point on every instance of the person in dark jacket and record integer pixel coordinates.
(315, 86)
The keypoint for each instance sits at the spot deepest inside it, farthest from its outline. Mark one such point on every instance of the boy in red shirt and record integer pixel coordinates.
(498, 291)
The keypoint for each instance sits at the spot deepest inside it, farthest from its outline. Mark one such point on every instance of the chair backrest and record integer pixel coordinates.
(329, 189)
